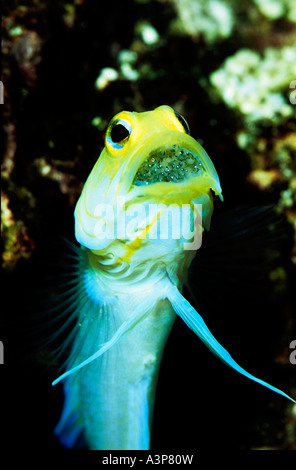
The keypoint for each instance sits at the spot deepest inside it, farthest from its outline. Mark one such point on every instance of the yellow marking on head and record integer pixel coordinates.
(132, 139)
(130, 249)
(134, 127)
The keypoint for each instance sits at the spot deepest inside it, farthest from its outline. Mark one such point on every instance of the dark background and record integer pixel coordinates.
(50, 143)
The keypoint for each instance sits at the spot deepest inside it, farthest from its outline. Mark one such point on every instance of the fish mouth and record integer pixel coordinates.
(172, 164)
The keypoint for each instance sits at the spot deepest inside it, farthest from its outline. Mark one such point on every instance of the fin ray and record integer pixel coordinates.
(195, 322)
(124, 328)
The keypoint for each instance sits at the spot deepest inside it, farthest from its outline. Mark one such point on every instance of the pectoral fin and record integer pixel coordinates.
(124, 328)
(195, 322)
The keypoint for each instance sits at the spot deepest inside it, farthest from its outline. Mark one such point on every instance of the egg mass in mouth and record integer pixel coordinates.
(172, 165)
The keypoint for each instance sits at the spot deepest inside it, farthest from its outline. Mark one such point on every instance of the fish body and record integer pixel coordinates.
(115, 398)
(139, 222)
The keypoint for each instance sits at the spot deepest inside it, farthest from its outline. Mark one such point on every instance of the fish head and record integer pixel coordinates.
(149, 163)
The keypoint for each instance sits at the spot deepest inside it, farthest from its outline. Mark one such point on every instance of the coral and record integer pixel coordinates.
(213, 19)
(17, 243)
(274, 9)
(106, 76)
(147, 32)
(256, 86)
(127, 59)
(26, 50)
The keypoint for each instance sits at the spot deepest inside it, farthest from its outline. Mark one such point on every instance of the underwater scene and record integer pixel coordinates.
(148, 225)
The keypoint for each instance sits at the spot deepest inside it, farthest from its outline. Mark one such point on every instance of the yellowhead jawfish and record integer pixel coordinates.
(139, 222)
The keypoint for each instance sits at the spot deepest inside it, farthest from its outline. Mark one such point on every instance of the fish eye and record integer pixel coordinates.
(120, 131)
(183, 121)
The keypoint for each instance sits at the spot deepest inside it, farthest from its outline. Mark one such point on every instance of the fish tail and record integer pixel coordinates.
(69, 429)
